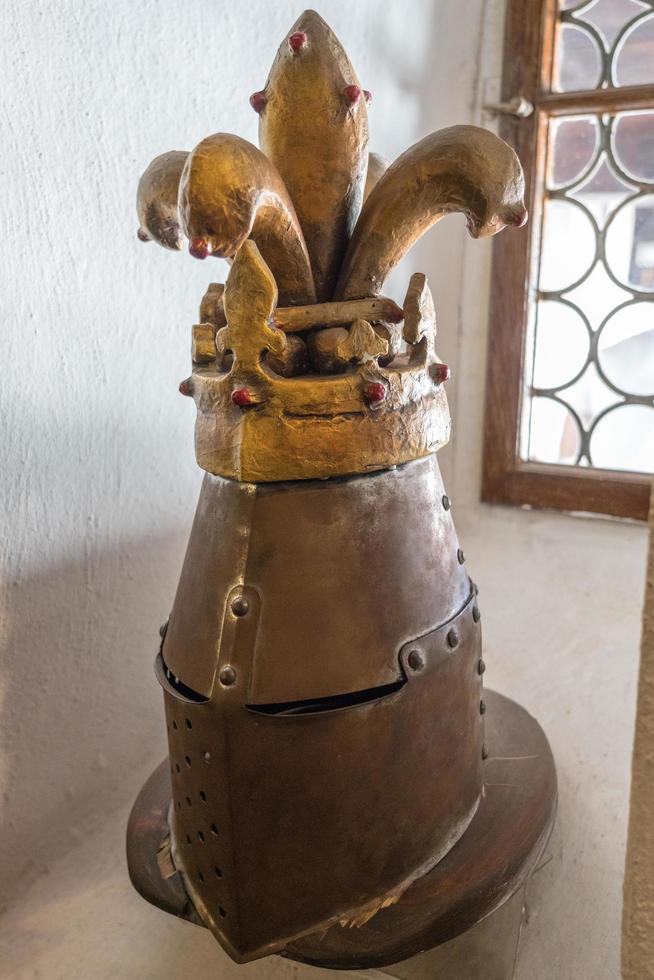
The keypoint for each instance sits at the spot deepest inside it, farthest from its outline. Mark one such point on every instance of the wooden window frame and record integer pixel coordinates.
(528, 64)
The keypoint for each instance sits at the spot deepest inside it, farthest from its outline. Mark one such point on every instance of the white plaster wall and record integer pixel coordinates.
(99, 481)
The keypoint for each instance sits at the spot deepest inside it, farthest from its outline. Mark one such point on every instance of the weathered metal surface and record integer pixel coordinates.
(491, 862)
(289, 817)
(310, 677)
(347, 572)
(215, 559)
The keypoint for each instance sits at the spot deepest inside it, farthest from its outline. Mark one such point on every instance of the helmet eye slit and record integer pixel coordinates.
(312, 706)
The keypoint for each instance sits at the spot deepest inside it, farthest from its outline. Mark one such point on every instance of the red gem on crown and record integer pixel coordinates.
(374, 392)
(440, 373)
(186, 387)
(242, 397)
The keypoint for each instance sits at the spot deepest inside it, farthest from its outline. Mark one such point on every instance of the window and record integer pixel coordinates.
(570, 393)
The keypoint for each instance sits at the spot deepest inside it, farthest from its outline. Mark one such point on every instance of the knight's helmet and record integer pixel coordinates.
(321, 667)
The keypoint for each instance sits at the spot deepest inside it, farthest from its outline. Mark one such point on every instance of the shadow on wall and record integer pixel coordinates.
(81, 714)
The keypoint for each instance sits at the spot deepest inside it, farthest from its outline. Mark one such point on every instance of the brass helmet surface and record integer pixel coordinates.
(322, 701)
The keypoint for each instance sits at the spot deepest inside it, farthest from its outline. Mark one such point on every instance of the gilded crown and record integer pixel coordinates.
(256, 425)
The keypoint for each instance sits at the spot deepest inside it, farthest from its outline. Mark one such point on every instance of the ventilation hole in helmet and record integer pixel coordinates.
(203, 796)
(188, 839)
(207, 757)
(218, 873)
(179, 804)
(177, 766)
(188, 761)
(200, 876)
(222, 912)
(188, 800)
(200, 836)
(214, 830)
(189, 724)
(175, 725)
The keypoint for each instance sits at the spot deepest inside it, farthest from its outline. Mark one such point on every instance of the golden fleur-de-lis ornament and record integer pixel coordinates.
(301, 197)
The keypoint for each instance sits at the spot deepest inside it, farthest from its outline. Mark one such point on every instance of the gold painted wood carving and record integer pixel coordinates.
(156, 200)
(229, 191)
(377, 165)
(296, 319)
(334, 378)
(256, 426)
(463, 168)
(333, 350)
(313, 125)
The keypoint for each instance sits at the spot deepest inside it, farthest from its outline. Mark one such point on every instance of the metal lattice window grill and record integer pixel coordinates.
(590, 373)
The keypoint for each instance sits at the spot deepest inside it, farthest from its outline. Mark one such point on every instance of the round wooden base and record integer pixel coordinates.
(490, 862)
